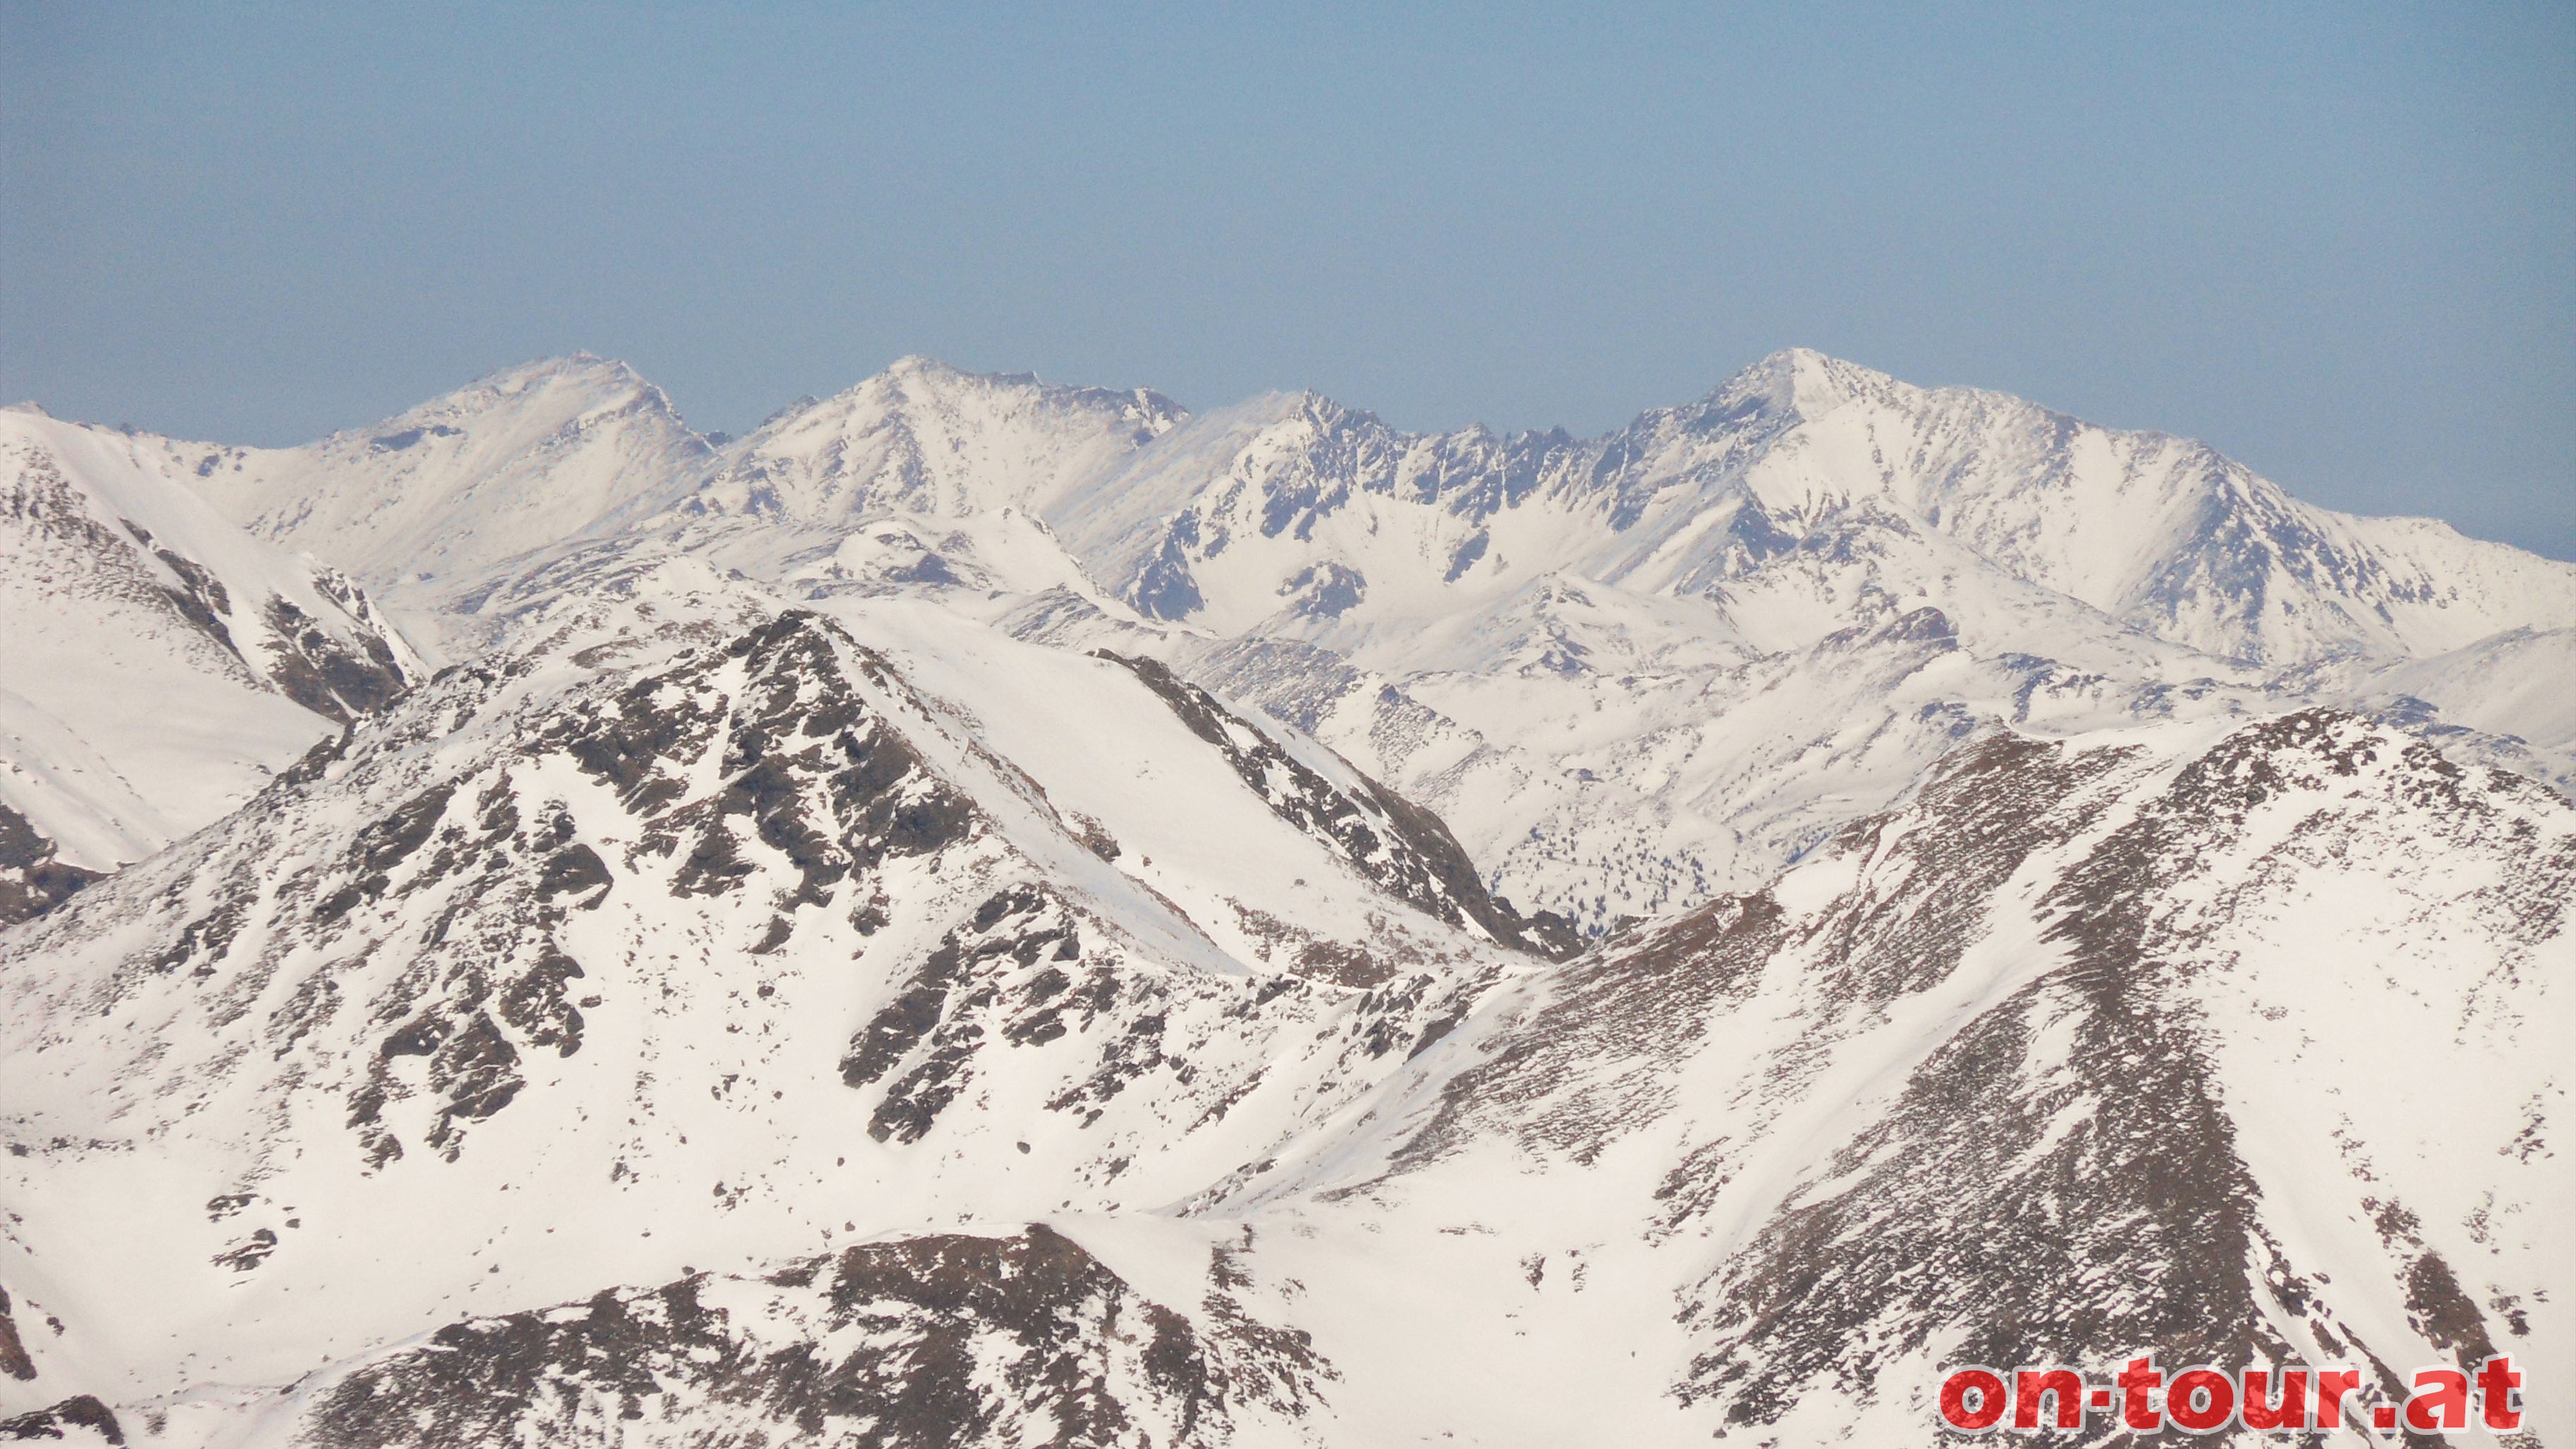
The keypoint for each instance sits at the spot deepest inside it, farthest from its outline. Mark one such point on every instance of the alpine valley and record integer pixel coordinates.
(992, 913)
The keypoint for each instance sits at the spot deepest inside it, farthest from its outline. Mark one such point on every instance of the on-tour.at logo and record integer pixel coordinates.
(2205, 1400)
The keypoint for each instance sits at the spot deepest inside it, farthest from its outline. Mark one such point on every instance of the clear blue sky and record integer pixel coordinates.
(2337, 241)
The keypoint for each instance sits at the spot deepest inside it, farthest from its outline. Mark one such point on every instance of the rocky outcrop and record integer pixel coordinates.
(1397, 845)
(909, 1344)
(32, 880)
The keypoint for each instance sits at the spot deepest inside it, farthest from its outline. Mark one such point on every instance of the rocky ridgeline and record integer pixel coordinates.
(1015, 879)
(908, 1344)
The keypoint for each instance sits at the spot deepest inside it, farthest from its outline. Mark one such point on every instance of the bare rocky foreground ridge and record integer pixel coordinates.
(994, 913)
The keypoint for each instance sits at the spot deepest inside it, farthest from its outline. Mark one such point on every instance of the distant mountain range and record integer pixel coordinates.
(991, 912)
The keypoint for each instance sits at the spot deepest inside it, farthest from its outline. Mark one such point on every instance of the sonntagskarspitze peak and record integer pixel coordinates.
(992, 912)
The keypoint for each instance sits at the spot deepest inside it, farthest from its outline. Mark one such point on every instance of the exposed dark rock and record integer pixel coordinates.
(476, 1070)
(2034, 1203)
(58, 1421)
(538, 1003)
(396, 442)
(250, 1252)
(1467, 556)
(1165, 589)
(811, 769)
(2447, 1317)
(1008, 936)
(314, 762)
(1398, 846)
(1095, 837)
(936, 1341)
(206, 939)
(575, 870)
(13, 1350)
(32, 880)
(201, 599)
(328, 675)
(1324, 591)
(384, 845)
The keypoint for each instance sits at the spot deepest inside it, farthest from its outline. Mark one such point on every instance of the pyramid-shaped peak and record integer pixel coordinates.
(1802, 379)
(916, 375)
(914, 379)
(1300, 407)
(583, 369)
(1807, 364)
(581, 382)
(914, 364)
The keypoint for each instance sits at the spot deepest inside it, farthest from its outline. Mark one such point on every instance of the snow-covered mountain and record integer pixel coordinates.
(1800, 490)
(691, 931)
(990, 912)
(2241, 1043)
(922, 437)
(1559, 644)
(1801, 497)
(519, 459)
(160, 664)
(595, 1021)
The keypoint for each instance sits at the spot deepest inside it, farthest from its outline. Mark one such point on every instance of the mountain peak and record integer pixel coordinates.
(1802, 379)
(877, 821)
(586, 369)
(517, 459)
(926, 436)
(931, 375)
(914, 378)
(916, 365)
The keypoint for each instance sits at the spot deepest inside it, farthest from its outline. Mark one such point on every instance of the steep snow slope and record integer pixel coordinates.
(2081, 1050)
(1630, 670)
(1795, 456)
(160, 664)
(695, 936)
(2244, 1049)
(824, 965)
(2515, 684)
(517, 460)
(922, 437)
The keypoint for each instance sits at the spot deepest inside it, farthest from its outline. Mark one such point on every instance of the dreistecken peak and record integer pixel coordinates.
(923, 437)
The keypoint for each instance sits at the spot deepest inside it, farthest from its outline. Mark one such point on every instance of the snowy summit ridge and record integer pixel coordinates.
(987, 912)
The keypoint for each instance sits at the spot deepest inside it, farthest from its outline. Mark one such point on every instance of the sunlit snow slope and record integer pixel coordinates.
(522, 458)
(987, 912)
(1629, 670)
(159, 664)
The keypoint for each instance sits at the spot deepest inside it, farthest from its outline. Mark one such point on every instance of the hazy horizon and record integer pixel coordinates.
(2338, 245)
